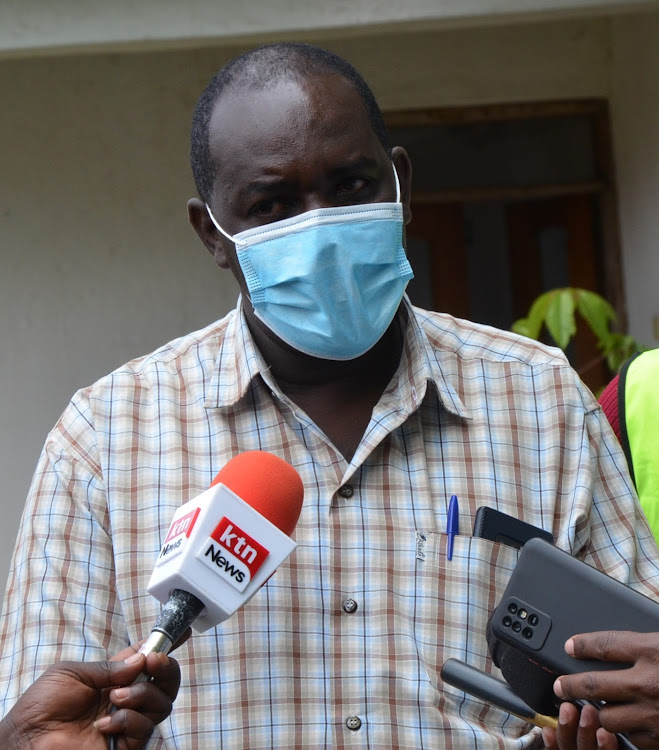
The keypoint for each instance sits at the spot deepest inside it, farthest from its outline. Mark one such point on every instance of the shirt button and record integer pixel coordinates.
(346, 491)
(353, 722)
(349, 606)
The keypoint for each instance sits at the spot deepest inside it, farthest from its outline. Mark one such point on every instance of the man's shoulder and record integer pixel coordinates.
(170, 381)
(475, 341)
(185, 359)
(476, 358)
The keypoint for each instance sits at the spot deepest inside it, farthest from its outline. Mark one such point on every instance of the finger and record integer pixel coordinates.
(102, 674)
(610, 645)
(165, 673)
(549, 738)
(589, 723)
(128, 651)
(630, 718)
(135, 647)
(606, 740)
(646, 740)
(133, 725)
(144, 697)
(568, 726)
(594, 686)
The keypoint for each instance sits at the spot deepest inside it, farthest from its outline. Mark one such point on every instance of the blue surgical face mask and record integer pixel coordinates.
(329, 281)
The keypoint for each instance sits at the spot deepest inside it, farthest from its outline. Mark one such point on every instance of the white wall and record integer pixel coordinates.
(69, 25)
(635, 117)
(98, 263)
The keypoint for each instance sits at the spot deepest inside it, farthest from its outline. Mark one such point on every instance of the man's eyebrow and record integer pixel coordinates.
(261, 187)
(363, 162)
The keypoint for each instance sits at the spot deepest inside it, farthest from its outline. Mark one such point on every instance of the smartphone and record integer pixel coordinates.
(552, 596)
(492, 524)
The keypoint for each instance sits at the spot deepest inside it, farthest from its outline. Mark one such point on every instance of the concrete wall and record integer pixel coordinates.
(98, 263)
(69, 25)
(635, 115)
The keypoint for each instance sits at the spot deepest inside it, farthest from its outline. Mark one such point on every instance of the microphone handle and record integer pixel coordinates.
(180, 611)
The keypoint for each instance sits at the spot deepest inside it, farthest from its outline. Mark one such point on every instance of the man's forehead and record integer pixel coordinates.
(255, 102)
(289, 105)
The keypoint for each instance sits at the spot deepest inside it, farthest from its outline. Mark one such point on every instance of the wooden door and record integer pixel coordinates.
(551, 242)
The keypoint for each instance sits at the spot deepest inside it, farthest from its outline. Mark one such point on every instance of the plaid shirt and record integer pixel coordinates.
(491, 417)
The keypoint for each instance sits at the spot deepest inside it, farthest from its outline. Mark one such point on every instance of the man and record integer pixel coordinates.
(631, 404)
(385, 411)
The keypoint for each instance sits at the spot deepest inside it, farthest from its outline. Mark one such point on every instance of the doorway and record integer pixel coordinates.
(510, 201)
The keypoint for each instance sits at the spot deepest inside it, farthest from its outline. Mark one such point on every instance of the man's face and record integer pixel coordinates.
(292, 148)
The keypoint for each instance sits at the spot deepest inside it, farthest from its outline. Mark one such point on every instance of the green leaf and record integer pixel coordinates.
(531, 325)
(598, 313)
(559, 318)
(522, 327)
(619, 349)
(556, 310)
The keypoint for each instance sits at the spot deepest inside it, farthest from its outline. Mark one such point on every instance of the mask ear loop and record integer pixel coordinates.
(395, 178)
(218, 227)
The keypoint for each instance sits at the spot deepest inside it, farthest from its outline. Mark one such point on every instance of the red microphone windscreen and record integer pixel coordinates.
(268, 484)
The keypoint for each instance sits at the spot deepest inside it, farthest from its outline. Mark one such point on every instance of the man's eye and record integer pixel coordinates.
(267, 208)
(352, 185)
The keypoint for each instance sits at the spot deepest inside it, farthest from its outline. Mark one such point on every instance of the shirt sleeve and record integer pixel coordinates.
(60, 601)
(609, 528)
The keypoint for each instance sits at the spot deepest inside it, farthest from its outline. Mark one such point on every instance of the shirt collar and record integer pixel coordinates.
(239, 361)
(420, 366)
(237, 364)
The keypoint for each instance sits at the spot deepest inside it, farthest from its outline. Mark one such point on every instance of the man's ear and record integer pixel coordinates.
(404, 168)
(214, 242)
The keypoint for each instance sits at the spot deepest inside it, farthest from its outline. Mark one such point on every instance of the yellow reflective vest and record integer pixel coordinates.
(638, 411)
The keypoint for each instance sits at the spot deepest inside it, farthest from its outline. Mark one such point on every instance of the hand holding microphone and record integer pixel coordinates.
(67, 706)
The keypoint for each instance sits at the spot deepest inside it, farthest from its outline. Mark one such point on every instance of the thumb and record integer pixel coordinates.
(103, 674)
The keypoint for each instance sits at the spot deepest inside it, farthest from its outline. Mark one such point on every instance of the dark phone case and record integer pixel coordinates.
(552, 596)
(492, 524)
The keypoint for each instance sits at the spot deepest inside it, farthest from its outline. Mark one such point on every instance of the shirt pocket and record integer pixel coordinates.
(456, 598)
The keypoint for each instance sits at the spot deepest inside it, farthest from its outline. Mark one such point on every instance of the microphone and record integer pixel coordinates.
(492, 690)
(223, 545)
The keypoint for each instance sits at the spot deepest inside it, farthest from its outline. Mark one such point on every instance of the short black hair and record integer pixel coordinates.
(257, 69)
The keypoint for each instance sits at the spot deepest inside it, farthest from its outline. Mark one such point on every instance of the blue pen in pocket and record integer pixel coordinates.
(452, 525)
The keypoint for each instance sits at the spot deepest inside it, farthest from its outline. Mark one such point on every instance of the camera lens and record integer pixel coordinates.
(517, 627)
(512, 608)
(527, 633)
(507, 621)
